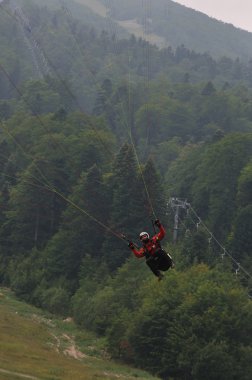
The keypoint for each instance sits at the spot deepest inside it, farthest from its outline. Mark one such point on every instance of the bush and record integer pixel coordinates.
(57, 301)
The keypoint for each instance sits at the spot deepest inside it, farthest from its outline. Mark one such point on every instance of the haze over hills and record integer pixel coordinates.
(87, 42)
(98, 135)
(167, 23)
(163, 22)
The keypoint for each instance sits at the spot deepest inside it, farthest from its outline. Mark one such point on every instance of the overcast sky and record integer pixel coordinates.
(236, 12)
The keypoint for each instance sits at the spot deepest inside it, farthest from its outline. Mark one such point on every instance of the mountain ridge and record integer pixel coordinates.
(170, 23)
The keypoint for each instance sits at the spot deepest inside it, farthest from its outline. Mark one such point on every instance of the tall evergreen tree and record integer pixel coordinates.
(153, 192)
(127, 206)
(80, 233)
(33, 210)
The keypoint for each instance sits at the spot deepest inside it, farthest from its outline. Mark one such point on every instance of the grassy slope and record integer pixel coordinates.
(96, 6)
(33, 345)
(131, 26)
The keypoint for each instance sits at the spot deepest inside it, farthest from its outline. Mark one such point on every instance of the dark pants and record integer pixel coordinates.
(160, 261)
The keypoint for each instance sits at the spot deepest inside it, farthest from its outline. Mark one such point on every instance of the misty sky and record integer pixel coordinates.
(236, 12)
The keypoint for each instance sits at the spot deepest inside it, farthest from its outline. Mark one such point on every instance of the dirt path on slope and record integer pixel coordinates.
(72, 350)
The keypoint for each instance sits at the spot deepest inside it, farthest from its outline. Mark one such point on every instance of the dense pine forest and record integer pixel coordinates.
(99, 135)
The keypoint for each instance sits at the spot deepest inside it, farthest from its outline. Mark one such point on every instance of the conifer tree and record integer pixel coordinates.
(80, 234)
(33, 210)
(153, 193)
(127, 206)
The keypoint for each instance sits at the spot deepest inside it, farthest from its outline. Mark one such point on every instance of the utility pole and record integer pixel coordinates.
(177, 204)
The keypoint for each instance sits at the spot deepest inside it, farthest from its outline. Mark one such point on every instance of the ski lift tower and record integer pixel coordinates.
(176, 205)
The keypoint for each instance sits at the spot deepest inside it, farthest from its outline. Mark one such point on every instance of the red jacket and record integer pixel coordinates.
(152, 245)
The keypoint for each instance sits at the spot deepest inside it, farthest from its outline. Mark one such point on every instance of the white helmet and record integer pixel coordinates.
(144, 236)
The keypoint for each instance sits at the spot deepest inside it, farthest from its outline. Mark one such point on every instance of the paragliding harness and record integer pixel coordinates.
(160, 260)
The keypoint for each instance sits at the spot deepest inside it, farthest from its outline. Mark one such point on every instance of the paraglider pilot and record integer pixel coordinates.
(156, 258)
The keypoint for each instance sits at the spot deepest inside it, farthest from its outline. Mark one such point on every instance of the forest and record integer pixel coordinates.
(180, 25)
(99, 136)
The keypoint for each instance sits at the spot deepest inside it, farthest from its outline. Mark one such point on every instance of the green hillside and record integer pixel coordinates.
(70, 50)
(162, 22)
(37, 346)
(178, 25)
(99, 137)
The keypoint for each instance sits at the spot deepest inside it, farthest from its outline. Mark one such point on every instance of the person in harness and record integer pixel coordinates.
(156, 258)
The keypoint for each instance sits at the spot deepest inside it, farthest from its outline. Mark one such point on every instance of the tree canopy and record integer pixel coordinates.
(94, 142)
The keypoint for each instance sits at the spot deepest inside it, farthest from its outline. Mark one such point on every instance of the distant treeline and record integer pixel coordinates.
(72, 182)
